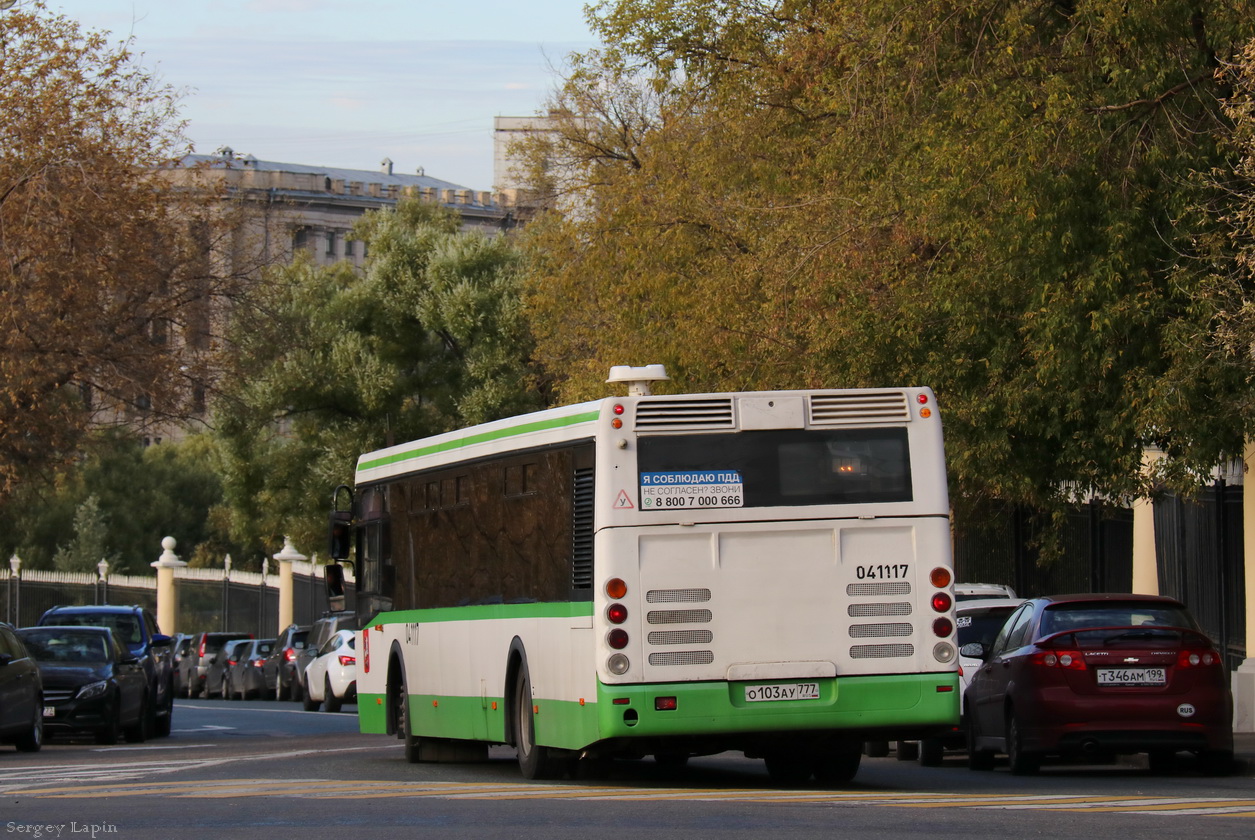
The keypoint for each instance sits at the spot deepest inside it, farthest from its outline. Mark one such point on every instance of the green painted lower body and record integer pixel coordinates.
(704, 710)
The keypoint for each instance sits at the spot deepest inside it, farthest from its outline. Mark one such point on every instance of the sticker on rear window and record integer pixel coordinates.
(695, 489)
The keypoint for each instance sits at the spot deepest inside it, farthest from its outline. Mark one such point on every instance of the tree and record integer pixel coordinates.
(330, 363)
(101, 267)
(997, 199)
(118, 501)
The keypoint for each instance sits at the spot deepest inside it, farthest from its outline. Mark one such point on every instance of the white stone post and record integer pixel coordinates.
(286, 556)
(1244, 676)
(167, 597)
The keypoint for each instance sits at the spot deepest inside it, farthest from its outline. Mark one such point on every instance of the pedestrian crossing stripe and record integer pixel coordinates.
(327, 788)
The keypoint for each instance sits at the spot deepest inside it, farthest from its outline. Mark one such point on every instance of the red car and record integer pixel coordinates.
(1099, 676)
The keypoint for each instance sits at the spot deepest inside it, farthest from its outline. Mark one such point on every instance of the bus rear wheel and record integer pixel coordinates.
(535, 761)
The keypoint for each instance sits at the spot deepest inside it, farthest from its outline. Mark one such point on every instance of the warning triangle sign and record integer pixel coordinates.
(623, 502)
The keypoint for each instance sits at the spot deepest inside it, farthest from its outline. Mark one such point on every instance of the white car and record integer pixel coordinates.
(981, 591)
(331, 678)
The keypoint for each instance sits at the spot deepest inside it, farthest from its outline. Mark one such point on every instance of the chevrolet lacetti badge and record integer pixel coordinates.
(1131, 659)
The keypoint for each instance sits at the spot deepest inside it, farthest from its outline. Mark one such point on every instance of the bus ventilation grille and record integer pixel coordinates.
(876, 631)
(891, 608)
(860, 408)
(682, 657)
(665, 415)
(677, 596)
(678, 616)
(582, 529)
(894, 587)
(881, 651)
(681, 637)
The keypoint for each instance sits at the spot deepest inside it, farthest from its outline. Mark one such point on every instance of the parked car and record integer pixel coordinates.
(982, 591)
(1099, 676)
(319, 632)
(245, 679)
(136, 629)
(92, 682)
(21, 694)
(220, 666)
(180, 644)
(331, 678)
(195, 665)
(280, 668)
(977, 622)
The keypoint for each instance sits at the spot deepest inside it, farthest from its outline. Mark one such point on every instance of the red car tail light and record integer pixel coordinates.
(258, 663)
(1070, 660)
(347, 660)
(289, 654)
(1197, 658)
(200, 650)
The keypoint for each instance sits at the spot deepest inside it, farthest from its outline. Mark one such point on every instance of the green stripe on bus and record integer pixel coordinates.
(483, 437)
(486, 612)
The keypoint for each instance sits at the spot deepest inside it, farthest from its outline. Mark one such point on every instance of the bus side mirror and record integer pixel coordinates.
(334, 575)
(340, 528)
(340, 534)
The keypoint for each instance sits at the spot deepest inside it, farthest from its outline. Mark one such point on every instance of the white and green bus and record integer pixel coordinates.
(665, 575)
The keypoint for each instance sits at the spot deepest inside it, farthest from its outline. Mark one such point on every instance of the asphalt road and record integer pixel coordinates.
(270, 770)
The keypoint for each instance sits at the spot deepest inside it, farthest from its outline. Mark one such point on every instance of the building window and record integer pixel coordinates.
(331, 243)
(349, 247)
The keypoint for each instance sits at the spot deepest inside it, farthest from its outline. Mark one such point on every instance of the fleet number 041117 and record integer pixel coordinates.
(883, 571)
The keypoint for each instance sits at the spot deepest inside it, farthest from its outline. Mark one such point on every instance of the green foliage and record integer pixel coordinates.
(1002, 200)
(117, 504)
(331, 363)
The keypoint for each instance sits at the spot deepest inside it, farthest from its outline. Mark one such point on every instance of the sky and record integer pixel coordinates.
(349, 83)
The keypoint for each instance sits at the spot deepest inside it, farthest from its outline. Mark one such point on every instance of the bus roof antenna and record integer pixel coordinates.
(638, 378)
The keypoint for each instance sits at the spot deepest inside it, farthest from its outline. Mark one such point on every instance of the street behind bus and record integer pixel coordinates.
(254, 768)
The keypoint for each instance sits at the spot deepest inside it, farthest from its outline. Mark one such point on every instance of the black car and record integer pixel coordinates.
(217, 674)
(136, 629)
(21, 694)
(200, 655)
(280, 668)
(92, 683)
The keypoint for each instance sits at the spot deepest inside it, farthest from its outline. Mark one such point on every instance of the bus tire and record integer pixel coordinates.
(840, 764)
(535, 761)
(789, 768)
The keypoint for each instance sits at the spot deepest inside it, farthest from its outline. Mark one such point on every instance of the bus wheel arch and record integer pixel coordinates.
(535, 761)
(396, 692)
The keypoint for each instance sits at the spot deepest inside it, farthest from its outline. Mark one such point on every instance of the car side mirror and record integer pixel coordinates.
(6, 658)
(973, 650)
(161, 640)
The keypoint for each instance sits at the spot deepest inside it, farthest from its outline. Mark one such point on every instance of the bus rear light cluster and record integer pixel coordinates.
(617, 638)
(616, 613)
(943, 627)
(939, 577)
(944, 652)
(941, 602)
(617, 664)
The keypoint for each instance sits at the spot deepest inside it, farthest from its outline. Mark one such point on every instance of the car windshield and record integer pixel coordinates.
(1080, 616)
(981, 624)
(125, 628)
(66, 646)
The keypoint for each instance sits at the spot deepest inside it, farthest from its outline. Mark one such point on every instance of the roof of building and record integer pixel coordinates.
(226, 158)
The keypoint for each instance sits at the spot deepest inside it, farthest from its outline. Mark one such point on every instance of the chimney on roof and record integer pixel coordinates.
(226, 151)
(386, 165)
(421, 171)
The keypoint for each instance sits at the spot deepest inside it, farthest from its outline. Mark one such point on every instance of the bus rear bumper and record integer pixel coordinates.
(871, 705)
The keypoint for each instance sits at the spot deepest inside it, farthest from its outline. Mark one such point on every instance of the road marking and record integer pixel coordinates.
(356, 790)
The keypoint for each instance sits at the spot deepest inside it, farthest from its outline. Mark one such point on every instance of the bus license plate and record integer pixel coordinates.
(782, 691)
(1132, 676)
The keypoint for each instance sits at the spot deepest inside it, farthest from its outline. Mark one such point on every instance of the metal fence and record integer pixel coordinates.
(208, 599)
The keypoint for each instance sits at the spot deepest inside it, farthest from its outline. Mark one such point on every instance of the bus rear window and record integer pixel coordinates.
(787, 467)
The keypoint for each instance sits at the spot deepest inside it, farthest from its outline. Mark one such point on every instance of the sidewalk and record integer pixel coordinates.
(1244, 753)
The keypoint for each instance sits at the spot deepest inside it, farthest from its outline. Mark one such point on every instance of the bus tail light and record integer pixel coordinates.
(618, 664)
(939, 577)
(617, 638)
(944, 652)
(616, 588)
(616, 613)
(943, 627)
(941, 601)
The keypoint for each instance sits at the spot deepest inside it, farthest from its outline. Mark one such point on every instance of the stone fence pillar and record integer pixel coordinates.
(286, 556)
(167, 597)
